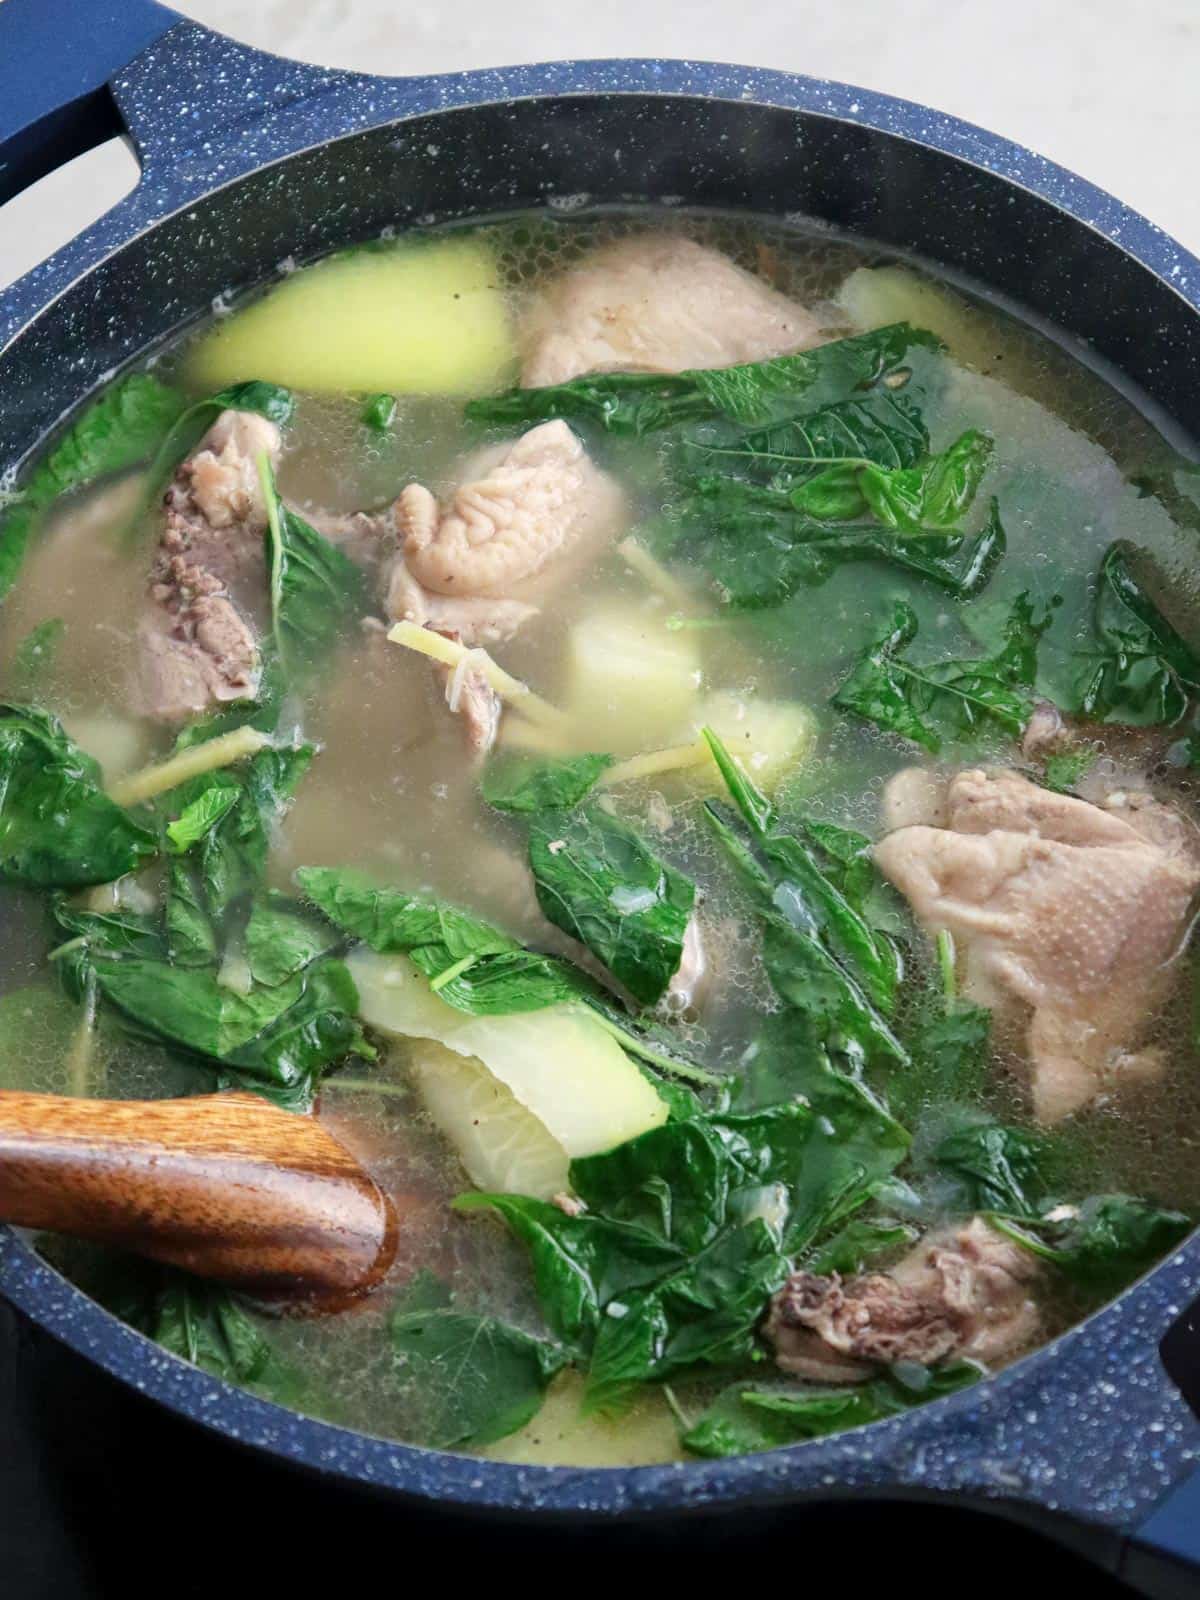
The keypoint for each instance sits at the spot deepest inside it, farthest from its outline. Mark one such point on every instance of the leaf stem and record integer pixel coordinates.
(448, 974)
(665, 1063)
(365, 1086)
(945, 955)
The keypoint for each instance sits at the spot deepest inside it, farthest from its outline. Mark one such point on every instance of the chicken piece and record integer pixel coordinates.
(520, 505)
(1045, 732)
(961, 1293)
(1076, 911)
(196, 640)
(475, 619)
(657, 303)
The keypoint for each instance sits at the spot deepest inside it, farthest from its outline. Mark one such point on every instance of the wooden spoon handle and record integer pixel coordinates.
(227, 1185)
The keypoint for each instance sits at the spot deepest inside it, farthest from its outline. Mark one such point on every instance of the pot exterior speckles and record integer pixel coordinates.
(251, 163)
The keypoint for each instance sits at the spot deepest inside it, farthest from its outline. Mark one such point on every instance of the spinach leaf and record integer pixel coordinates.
(477, 968)
(1106, 1242)
(192, 939)
(275, 1040)
(1147, 670)
(58, 829)
(861, 1241)
(119, 429)
(821, 955)
(580, 1264)
(282, 938)
(704, 1313)
(34, 657)
(936, 494)
(379, 412)
(317, 592)
(600, 882)
(530, 784)
(743, 1419)
(633, 404)
(472, 1379)
(963, 697)
(993, 1167)
(205, 1325)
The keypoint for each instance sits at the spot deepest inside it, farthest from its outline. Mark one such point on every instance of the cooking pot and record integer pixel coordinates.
(249, 160)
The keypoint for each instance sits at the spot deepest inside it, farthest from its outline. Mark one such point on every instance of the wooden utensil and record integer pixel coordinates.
(225, 1185)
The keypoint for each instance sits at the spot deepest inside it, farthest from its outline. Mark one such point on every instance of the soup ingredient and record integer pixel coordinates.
(821, 953)
(1072, 909)
(470, 619)
(451, 652)
(470, 696)
(657, 303)
(1104, 1243)
(558, 1062)
(560, 1435)
(766, 738)
(520, 505)
(379, 412)
(631, 683)
(962, 697)
(196, 642)
(632, 404)
(599, 881)
(1146, 671)
(34, 657)
(875, 296)
(473, 1379)
(1065, 768)
(118, 430)
(963, 1293)
(317, 592)
(421, 317)
(58, 829)
(526, 785)
(745, 1419)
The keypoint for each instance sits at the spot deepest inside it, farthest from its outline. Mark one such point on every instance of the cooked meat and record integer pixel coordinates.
(691, 977)
(657, 303)
(475, 619)
(520, 505)
(362, 535)
(196, 639)
(1074, 910)
(471, 697)
(1045, 731)
(915, 794)
(963, 1292)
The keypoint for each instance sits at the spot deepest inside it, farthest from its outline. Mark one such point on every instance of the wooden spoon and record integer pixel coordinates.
(225, 1185)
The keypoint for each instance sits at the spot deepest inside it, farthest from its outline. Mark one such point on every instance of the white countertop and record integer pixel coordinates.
(1106, 88)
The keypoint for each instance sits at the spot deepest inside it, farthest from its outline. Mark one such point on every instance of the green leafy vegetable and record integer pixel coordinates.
(633, 404)
(531, 784)
(489, 972)
(821, 954)
(205, 1325)
(58, 829)
(743, 1420)
(118, 430)
(1147, 670)
(379, 412)
(316, 590)
(860, 1242)
(34, 657)
(949, 1053)
(1104, 1243)
(472, 1379)
(1065, 768)
(282, 938)
(599, 882)
(994, 1167)
(200, 816)
(937, 494)
(962, 697)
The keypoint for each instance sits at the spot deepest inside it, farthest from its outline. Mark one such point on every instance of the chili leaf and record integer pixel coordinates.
(599, 881)
(379, 412)
(316, 590)
(993, 1167)
(745, 1419)
(936, 494)
(58, 829)
(949, 1062)
(1147, 671)
(282, 938)
(1106, 1242)
(472, 1379)
(200, 816)
(634, 404)
(1065, 768)
(861, 1241)
(962, 697)
(34, 657)
(532, 784)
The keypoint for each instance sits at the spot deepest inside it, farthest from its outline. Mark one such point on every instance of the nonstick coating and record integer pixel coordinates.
(1065, 1431)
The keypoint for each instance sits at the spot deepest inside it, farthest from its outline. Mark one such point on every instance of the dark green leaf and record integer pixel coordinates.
(282, 938)
(34, 657)
(862, 1241)
(743, 1420)
(205, 1325)
(937, 494)
(962, 697)
(599, 882)
(472, 1379)
(993, 1167)
(57, 826)
(379, 412)
(1106, 1242)
(1065, 768)
(199, 816)
(317, 592)
(532, 784)
(191, 937)
(949, 1057)
(1147, 670)
(633, 404)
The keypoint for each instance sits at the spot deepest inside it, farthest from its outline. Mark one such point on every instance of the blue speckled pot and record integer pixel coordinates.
(247, 160)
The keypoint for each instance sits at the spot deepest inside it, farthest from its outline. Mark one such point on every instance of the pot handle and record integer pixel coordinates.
(56, 57)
